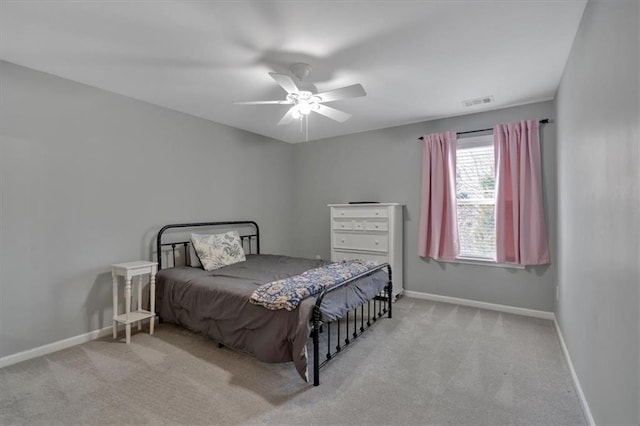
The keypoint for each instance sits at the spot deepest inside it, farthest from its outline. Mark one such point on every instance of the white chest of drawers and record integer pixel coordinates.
(369, 232)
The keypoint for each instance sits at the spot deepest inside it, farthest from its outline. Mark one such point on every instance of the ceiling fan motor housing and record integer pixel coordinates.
(300, 70)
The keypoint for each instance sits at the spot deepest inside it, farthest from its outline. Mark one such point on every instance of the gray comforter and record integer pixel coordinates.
(216, 303)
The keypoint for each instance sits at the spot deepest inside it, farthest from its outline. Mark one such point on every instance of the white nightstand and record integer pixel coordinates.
(129, 270)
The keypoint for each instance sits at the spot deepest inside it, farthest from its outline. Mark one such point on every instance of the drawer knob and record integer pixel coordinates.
(377, 226)
(342, 225)
(377, 213)
(377, 242)
(342, 241)
(342, 213)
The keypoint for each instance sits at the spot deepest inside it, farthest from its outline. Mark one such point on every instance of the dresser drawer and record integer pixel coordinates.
(354, 241)
(346, 225)
(363, 212)
(339, 256)
(360, 225)
(376, 226)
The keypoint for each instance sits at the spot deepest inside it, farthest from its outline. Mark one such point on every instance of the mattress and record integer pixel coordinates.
(216, 304)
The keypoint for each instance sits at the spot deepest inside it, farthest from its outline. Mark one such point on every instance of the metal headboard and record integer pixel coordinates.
(185, 244)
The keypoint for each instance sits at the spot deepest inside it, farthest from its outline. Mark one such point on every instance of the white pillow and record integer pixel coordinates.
(218, 250)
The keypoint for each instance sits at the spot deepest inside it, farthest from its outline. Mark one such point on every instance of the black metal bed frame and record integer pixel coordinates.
(382, 303)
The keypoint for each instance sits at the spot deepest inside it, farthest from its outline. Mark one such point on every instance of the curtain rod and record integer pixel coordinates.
(543, 121)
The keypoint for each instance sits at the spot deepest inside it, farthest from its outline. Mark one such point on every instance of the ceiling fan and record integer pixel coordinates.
(305, 101)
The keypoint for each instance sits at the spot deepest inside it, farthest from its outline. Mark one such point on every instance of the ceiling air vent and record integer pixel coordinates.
(477, 101)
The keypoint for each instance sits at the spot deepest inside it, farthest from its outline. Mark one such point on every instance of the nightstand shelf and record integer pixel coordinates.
(134, 316)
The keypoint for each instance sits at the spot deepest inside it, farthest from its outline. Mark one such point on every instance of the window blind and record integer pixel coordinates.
(475, 196)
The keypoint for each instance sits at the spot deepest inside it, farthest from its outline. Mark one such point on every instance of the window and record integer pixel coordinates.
(476, 197)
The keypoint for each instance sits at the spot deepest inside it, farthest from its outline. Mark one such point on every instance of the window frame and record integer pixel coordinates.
(477, 141)
(481, 141)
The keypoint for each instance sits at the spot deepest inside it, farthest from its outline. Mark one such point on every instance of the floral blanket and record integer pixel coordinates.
(287, 293)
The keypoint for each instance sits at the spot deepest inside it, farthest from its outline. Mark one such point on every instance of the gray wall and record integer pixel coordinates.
(87, 178)
(599, 209)
(384, 165)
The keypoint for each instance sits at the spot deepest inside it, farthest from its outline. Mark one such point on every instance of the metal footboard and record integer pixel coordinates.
(382, 304)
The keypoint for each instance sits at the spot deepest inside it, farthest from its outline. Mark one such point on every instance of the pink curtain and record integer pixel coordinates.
(438, 233)
(521, 235)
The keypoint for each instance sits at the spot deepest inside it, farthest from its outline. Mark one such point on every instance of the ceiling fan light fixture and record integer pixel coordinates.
(304, 102)
(304, 107)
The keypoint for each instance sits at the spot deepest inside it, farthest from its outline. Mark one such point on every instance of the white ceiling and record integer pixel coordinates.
(417, 60)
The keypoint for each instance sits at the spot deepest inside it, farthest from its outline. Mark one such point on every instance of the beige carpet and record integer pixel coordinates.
(433, 363)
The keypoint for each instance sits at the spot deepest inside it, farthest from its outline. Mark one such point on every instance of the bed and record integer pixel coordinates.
(216, 303)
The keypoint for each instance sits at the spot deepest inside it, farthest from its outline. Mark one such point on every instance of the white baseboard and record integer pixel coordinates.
(58, 346)
(53, 347)
(574, 377)
(483, 305)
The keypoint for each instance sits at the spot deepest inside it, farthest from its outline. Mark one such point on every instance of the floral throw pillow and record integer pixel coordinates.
(218, 250)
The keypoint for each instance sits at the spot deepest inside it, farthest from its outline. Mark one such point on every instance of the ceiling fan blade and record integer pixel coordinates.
(285, 81)
(288, 117)
(262, 102)
(332, 113)
(353, 91)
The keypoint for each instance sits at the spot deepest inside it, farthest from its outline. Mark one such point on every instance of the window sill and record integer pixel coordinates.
(483, 262)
